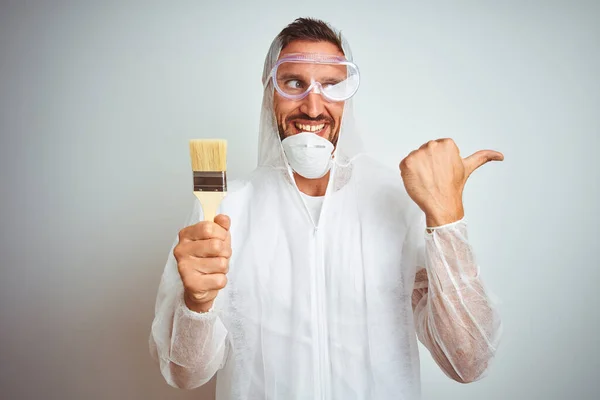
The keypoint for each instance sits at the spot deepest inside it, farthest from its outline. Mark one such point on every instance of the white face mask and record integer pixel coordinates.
(308, 154)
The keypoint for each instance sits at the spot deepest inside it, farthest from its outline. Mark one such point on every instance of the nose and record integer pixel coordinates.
(313, 105)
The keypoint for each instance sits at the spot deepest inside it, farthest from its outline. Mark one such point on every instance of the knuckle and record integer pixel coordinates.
(227, 251)
(207, 229)
(178, 252)
(403, 162)
(216, 245)
(223, 264)
(187, 281)
(448, 142)
(220, 281)
(181, 266)
(186, 265)
(409, 160)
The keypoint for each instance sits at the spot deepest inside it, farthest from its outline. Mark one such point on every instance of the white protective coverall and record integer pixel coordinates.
(330, 311)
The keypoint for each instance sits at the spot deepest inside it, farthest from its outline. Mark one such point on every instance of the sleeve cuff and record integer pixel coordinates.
(431, 229)
(196, 316)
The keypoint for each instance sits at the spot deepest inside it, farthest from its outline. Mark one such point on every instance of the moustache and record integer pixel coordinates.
(318, 119)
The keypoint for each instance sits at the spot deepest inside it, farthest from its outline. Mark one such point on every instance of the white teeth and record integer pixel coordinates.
(310, 128)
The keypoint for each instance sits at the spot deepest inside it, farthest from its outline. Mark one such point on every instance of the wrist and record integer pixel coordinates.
(444, 216)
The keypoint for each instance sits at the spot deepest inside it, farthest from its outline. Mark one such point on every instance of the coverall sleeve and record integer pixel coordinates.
(454, 315)
(190, 347)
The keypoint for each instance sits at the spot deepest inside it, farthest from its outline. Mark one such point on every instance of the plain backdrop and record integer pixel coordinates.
(99, 99)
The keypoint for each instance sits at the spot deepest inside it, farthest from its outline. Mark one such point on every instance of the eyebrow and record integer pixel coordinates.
(289, 76)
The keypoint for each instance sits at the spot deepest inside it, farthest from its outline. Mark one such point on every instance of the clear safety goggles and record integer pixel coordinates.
(296, 75)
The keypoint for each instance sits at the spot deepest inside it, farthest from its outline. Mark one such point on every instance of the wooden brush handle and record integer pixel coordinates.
(210, 202)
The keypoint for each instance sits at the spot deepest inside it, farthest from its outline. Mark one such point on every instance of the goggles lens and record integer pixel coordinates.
(295, 77)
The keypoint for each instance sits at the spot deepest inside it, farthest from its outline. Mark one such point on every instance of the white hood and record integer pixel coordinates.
(270, 152)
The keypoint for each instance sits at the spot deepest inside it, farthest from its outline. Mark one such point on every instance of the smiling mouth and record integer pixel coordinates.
(312, 128)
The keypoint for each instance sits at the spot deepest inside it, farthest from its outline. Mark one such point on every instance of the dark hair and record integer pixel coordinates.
(312, 30)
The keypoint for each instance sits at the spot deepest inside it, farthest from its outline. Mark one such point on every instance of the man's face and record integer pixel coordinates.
(312, 112)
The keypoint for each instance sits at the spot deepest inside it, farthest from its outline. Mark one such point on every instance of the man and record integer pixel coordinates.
(324, 268)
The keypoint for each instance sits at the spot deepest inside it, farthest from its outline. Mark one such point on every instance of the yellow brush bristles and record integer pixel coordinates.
(208, 154)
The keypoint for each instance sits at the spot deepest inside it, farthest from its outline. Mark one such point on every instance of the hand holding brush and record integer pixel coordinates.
(204, 248)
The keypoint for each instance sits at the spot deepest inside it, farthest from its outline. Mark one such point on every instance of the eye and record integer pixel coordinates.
(330, 83)
(294, 84)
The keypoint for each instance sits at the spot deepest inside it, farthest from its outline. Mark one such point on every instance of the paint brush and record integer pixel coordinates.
(209, 165)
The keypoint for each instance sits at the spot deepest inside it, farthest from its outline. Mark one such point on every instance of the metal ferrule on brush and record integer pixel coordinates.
(210, 181)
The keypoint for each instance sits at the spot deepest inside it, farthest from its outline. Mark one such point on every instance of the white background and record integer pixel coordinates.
(98, 101)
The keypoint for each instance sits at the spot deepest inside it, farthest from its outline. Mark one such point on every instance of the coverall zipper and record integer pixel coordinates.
(318, 305)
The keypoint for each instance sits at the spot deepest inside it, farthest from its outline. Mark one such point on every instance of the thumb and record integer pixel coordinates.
(479, 158)
(223, 220)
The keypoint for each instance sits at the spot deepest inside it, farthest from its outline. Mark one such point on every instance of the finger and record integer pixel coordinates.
(205, 265)
(202, 297)
(479, 158)
(407, 160)
(224, 221)
(203, 230)
(206, 248)
(424, 145)
(209, 282)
